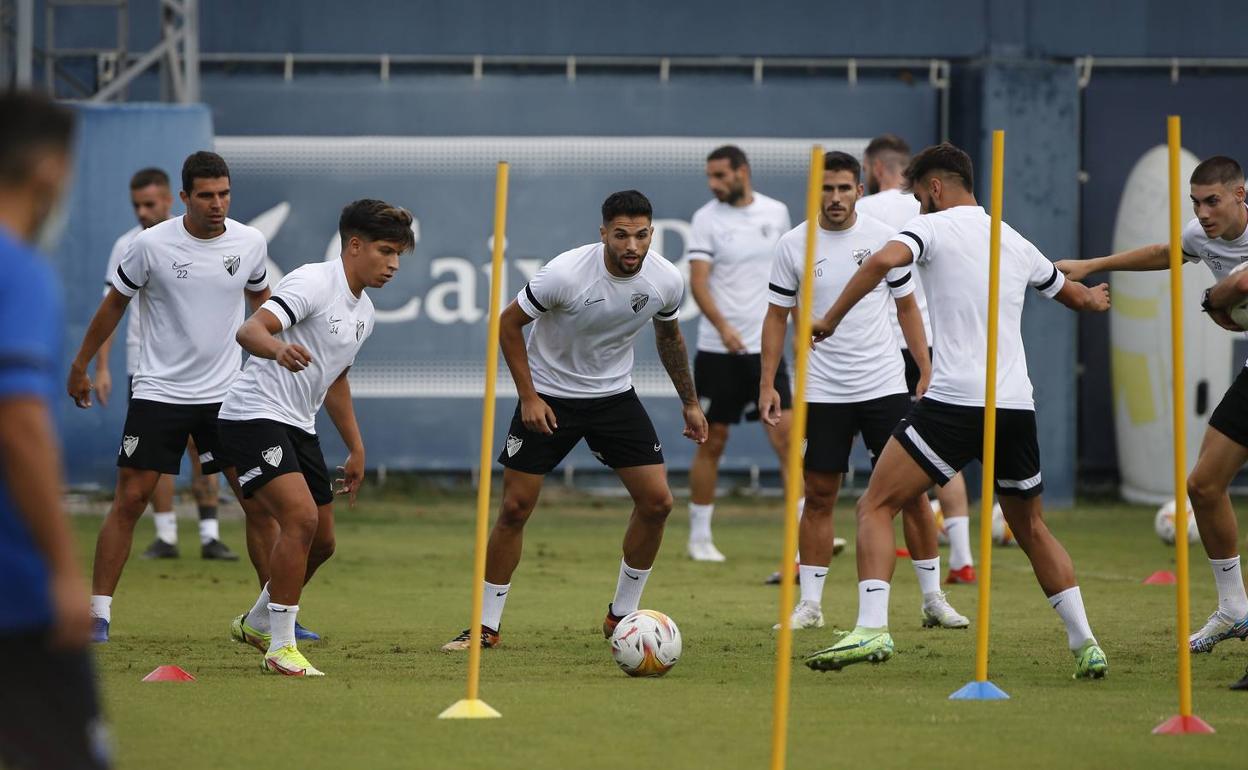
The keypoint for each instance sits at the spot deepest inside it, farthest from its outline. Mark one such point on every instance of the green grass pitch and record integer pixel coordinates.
(399, 587)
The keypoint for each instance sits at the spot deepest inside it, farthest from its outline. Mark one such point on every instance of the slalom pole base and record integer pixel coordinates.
(1162, 577)
(470, 709)
(980, 691)
(1181, 725)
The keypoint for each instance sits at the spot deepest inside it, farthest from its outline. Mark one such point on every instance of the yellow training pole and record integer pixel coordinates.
(472, 707)
(1185, 722)
(981, 688)
(793, 466)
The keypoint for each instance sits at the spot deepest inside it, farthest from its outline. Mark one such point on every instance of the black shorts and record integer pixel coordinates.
(830, 430)
(154, 438)
(616, 428)
(1231, 416)
(49, 713)
(727, 385)
(262, 450)
(943, 438)
(912, 369)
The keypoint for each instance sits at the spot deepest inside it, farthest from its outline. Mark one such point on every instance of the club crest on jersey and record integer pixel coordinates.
(513, 445)
(232, 262)
(638, 301)
(359, 330)
(860, 255)
(333, 324)
(129, 444)
(272, 455)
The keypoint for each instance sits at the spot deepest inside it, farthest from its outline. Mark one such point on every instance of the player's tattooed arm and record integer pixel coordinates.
(675, 359)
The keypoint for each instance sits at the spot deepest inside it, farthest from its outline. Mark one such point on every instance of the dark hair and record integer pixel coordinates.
(1218, 170)
(731, 153)
(842, 161)
(147, 177)
(374, 220)
(626, 203)
(943, 157)
(203, 165)
(885, 143)
(30, 123)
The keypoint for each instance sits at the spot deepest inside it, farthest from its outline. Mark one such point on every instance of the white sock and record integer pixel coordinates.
(958, 529)
(1069, 606)
(258, 617)
(282, 625)
(700, 521)
(1230, 580)
(873, 603)
(812, 579)
(628, 588)
(801, 509)
(102, 607)
(492, 607)
(166, 526)
(928, 573)
(209, 530)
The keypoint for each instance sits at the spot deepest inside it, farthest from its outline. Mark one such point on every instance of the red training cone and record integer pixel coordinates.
(168, 674)
(1162, 577)
(1181, 725)
(903, 553)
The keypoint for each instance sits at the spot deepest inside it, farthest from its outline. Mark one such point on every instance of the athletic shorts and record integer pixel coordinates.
(912, 369)
(727, 385)
(830, 430)
(943, 438)
(616, 428)
(155, 434)
(49, 713)
(262, 450)
(1231, 415)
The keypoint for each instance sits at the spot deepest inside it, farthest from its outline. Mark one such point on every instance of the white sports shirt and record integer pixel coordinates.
(319, 312)
(951, 246)
(581, 345)
(1220, 256)
(191, 304)
(132, 314)
(895, 208)
(739, 243)
(860, 361)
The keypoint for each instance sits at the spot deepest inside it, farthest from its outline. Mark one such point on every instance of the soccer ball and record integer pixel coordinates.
(1239, 313)
(1163, 524)
(942, 534)
(646, 643)
(1001, 534)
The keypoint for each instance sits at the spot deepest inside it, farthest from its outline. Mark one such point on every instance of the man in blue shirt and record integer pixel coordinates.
(49, 715)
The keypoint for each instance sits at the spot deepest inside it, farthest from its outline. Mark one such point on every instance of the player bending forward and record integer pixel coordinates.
(574, 379)
(302, 342)
(944, 429)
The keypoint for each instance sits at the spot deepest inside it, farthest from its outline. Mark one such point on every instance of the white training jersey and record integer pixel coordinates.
(739, 243)
(191, 304)
(860, 361)
(131, 319)
(581, 344)
(951, 246)
(1219, 255)
(319, 312)
(895, 208)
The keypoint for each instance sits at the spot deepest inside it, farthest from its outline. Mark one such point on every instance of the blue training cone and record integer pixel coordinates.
(980, 691)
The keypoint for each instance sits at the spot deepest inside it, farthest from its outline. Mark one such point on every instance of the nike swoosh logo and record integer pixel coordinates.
(929, 569)
(1228, 569)
(820, 262)
(501, 593)
(589, 302)
(873, 590)
(176, 266)
(1059, 603)
(822, 574)
(632, 577)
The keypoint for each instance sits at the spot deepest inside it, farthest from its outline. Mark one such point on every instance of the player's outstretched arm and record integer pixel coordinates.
(256, 336)
(341, 410)
(775, 324)
(866, 278)
(1091, 299)
(535, 413)
(1226, 294)
(700, 286)
(103, 323)
(911, 321)
(675, 358)
(1154, 257)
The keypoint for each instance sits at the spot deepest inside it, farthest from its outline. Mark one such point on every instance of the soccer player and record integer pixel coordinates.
(152, 201)
(730, 249)
(1218, 237)
(191, 274)
(944, 429)
(574, 379)
(856, 383)
(884, 165)
(302, 342)
(49, 712)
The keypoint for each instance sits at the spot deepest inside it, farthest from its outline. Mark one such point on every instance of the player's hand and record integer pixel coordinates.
(537, 416)
(1223, 319)
(696, 429)
(296, 358)
(71, 606)
(769, 405)
(732, 340)
(1100, 298)
(103, 384)
(79, 386)
(1073, 269)
(925, 381)
(820, 330)
(352, 477)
